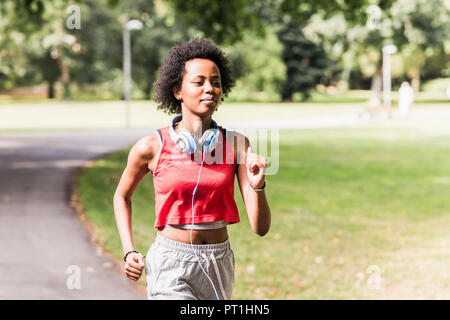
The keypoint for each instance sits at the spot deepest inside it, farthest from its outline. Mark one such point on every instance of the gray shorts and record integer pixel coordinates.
(173, 271)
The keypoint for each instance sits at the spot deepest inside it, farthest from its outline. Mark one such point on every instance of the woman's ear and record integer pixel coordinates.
(177, 94)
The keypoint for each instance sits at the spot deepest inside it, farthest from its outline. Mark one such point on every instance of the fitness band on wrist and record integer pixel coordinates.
(258, 189)
(126, 255)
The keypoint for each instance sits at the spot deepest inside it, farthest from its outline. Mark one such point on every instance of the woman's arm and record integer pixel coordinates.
(138, 165)
(250, 173)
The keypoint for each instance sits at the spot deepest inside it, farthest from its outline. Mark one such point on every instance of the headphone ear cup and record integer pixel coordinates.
(186, 142)
(209, 139)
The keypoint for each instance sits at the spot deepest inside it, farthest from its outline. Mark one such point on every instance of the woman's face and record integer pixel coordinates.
(201, 89)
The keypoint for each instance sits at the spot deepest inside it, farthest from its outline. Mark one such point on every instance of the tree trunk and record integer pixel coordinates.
(345, 79)
(65, 78)
(286, 97)
(415, 82)
(375, 87)
(286, 92)
(51, 90)
(414, 75)
(148, 91)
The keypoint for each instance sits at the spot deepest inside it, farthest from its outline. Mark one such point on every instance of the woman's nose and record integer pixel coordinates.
(208, 86)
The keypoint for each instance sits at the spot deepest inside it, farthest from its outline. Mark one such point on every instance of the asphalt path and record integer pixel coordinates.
(46, 251)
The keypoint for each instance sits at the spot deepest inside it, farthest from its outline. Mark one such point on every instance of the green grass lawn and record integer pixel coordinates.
(357, 213)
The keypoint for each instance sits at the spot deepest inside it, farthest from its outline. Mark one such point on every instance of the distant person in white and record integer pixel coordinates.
(405, 100)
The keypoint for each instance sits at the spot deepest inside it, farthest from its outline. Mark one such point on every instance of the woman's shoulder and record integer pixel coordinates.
(148, 146)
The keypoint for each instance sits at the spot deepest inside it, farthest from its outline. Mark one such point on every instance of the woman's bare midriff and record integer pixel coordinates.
(198, 236)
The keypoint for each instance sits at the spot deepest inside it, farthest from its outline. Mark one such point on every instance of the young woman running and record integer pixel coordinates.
(193, 162)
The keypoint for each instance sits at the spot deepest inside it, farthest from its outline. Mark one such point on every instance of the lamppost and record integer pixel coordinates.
(130, 25)
(387, 51)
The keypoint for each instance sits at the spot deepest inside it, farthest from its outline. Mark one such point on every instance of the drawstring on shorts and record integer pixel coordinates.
(216, 269)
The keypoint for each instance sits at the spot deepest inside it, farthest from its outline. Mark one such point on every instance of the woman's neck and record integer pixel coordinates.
(194, 123)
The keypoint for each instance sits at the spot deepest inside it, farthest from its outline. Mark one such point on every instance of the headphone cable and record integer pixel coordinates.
(190, 230)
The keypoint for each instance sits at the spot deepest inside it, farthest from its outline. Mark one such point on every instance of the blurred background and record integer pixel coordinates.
(360, 203)
(279, 50)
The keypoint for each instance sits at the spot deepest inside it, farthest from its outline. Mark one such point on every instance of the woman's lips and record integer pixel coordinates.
(208, 101)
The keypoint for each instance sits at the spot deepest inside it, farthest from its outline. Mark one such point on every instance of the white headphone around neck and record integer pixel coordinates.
(186, 141)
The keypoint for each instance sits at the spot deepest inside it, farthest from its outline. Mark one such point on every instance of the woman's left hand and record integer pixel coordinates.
(256, 167)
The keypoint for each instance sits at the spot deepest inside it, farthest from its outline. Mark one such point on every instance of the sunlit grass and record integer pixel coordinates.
(73, 115)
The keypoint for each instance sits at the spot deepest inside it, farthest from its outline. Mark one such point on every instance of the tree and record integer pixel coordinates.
(419, 29)
(225, 21)
(257, 66)
(306, 62)
(97, 47)
(150, 46)
(31, 35)
(50, 69)
(47, 50)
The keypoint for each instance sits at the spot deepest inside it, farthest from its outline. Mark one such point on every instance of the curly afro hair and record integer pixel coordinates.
(172, 71)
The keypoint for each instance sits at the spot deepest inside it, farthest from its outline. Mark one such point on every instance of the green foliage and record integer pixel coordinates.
(422, 23)
(437, 65)
(222, 21)
(25, 15)
(31, 29)
(32, 42)
(98, 45)
(418, 28)
(306, 62)
(151, 45)
(257, 66)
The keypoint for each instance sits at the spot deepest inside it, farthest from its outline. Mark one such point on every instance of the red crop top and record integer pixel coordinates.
(175, 178)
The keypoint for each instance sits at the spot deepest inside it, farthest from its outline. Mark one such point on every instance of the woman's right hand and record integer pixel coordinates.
(134, 266)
